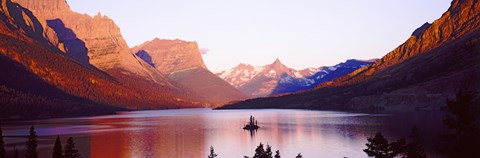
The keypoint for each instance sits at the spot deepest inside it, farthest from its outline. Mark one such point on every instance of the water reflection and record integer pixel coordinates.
(190, 133)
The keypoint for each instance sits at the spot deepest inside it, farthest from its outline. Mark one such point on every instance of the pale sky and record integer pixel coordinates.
(301, 33)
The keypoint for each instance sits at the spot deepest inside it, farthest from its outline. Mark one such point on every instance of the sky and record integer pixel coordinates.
(301, 33)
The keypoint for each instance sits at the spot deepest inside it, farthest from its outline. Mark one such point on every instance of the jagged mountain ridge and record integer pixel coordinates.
(35, 68)
(431, 66)
(276, 78)
(93, 40)
(182, 62)
(289, 84)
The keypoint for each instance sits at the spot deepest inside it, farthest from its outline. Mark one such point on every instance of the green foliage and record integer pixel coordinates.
(57, 149)
(212, 153)
(464, 140)
(70, 151)
(3, 153)
(32, 144)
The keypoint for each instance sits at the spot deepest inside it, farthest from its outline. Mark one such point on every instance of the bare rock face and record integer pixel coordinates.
(170, 56)
(92, 40)
(461, 18)
(182, 62)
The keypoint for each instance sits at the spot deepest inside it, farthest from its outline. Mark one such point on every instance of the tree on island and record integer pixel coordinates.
(70, 151)
(32, 144)
(464, 140)
(212, 153)
(3, 153)
(57, 149)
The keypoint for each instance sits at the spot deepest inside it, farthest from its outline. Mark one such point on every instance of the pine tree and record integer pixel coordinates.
(70, 151)
(414, 149)
(212, 153)
(277, 154)
(465, 137)
(15, 152)
(3, 153)
(379, 147)
(259, 152)
(299, 155)
(32, 143)
(57, 149)
(268, 152)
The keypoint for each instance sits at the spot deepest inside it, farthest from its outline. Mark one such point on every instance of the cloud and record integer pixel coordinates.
(204, 51)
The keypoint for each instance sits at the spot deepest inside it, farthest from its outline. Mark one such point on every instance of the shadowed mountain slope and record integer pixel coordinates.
(436, 61)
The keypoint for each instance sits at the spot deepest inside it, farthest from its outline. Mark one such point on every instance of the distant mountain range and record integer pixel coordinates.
(438, 60)
(276, 78)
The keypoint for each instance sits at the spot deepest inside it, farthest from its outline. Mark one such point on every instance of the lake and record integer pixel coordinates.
(189, 133)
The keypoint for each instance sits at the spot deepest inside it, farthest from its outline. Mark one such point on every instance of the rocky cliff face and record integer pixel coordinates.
(460, 19)
(431, 66)
(182, 62)
(40, 81)
(170, 56)
(93, 41)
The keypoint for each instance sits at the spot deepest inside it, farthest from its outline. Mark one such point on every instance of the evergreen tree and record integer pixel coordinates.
(70, 151)
(15, 152)
(57, 148)
(465, 137)
(277, 154)
(259, 152)
(32, 143)
(268, 152)
(212, 153)
(299, 155)
(414, 149)
(379, 147)
(3, 153)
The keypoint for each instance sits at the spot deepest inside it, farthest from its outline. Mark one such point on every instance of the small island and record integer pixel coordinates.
(252, 125)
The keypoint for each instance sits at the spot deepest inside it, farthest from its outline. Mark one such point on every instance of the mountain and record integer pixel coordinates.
(96, 42)
(40, 81)
(182, 62)
(431, 66)
(291, 84)
(276, 78)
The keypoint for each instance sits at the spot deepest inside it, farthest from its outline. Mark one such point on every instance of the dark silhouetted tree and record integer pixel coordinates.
(57, 148)
(464, 140)
(32, 143)
(212, 153)
(379, 147)
(414, 149)
(299, 156)
(268, 152)
(15, 152)
(3, 153)
(259, 152)
(70, 151)
(277, 154)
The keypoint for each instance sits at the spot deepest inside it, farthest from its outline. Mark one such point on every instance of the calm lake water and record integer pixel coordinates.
(189, 133)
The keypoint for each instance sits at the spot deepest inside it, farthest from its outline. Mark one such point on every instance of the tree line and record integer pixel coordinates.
(462, 141)
(69, 151)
